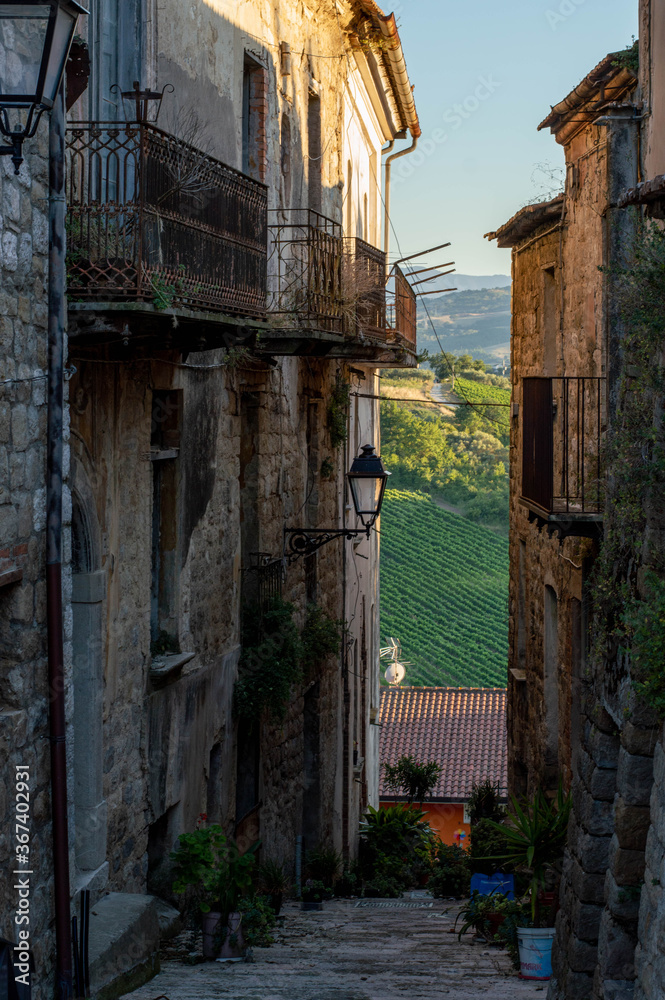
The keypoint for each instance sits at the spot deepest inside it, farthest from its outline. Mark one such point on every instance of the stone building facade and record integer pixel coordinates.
(226, 319)
(23, 655)
(576, 713)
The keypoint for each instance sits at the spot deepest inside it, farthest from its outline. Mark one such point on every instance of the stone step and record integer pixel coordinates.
(125, 931)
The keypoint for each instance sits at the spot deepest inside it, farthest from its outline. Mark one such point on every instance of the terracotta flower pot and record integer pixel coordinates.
(222, 942)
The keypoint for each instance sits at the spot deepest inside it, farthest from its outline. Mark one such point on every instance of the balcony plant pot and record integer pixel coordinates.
(535, 946)
(313, 893)
(494, 921)
(223, 940)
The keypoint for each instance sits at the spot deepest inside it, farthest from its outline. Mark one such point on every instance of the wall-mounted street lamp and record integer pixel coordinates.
(37, 35)
(367, 480)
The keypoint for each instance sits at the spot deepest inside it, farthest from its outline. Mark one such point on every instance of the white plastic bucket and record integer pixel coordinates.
(535, 944)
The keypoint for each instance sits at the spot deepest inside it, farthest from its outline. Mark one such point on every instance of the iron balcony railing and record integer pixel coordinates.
(326, 282)
(307, 252)
(563, 430)
(404, 308)
(153, 219)
(365, 281)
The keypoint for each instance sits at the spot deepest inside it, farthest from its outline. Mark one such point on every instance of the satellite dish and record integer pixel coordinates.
(395, 673)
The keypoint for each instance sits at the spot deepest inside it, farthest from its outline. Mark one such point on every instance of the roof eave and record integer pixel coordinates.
(527, 222)
(394, 62)
(605, 84)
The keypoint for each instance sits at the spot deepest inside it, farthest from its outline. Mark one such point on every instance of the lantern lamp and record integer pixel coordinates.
(367, 481)
(35, 38)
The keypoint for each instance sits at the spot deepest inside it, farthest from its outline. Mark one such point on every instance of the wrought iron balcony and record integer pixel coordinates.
(563, 430)
(329, 294)
(307, 252)
(152, 219)
(404, 309)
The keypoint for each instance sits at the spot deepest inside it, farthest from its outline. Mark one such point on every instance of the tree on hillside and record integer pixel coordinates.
(446, 365)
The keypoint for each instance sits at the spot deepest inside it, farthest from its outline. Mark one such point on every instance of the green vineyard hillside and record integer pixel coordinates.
(444, 587)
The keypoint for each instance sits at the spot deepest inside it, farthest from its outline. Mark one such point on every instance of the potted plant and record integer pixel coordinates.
(535, 837)
(313, 893)
(273, 882)
(485, 914)
(210, 869)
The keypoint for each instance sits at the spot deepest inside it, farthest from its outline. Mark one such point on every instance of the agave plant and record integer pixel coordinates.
(535, 837)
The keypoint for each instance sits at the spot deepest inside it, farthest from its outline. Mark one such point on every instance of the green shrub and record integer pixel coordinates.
(486, 845)
(324, 865)
(395, 844)
(485, 802)
(258, 919)
(451, 873)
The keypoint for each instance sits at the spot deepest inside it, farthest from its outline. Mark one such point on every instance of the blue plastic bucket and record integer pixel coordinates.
(535, 945)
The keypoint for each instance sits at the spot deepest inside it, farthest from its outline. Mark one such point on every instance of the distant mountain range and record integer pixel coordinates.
(474, 320)
(471, 282)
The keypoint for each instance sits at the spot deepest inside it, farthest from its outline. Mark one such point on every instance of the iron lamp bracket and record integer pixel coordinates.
(18, 134)
(306, 541)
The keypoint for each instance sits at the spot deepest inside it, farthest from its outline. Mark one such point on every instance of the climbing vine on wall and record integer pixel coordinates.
(321, 637)
(629, 598)
(338, 409)
(276, 655)
(270, 663)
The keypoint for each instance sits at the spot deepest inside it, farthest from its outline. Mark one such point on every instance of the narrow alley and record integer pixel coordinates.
(355, 950)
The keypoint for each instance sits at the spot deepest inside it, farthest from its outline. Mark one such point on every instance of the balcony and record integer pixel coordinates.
(405, 321)
(563, 430)
(158, 229)
(329, 295)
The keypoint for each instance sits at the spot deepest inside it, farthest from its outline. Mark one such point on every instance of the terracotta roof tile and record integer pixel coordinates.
(463, 729)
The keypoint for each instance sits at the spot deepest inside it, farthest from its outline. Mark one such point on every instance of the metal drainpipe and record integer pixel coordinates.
(386, 201)
(56, 331)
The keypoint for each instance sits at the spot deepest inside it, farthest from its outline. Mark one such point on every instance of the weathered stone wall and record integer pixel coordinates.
(203, 457)
(24, 701)
(650, 950)
(606, 738)
(557, 330)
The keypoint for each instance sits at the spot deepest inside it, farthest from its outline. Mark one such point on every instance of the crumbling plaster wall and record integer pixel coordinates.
(201, 52)
(24, 698)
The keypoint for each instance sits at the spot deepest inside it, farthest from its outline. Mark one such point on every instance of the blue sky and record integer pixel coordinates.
(503, 65)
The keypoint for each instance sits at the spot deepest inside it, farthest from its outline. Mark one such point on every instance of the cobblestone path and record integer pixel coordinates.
(350, 952)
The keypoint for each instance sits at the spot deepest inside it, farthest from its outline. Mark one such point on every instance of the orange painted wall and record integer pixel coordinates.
(446, 818)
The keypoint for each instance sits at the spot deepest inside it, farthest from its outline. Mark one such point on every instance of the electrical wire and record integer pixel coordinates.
(36, 378)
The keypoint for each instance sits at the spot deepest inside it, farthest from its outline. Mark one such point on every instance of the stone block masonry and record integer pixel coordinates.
(23, 665)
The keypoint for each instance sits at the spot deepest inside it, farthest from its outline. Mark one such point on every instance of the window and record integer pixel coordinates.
(164, 444)
(254, 114)
(549, 321)
(285, 158)
(521, 609)
(551, 677)
(314, 152)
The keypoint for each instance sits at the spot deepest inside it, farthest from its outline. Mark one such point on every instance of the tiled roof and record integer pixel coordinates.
(525, 222)
(463, 729)
(607, 82)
